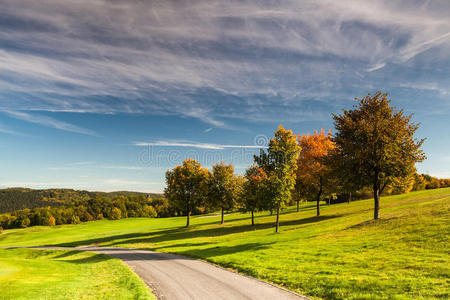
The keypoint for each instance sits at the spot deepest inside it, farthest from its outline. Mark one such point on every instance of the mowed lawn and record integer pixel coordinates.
(65, 274)
(342, 254)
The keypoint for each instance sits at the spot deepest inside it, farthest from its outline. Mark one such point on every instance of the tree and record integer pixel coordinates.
(116, 214)
(377, 142)
(312, 173)
(280, 164)
(23, 221)
(252, 197)
(186, 186)
(223, 187)
(51, 221)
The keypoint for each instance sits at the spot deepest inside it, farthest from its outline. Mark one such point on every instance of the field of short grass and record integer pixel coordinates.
(65, 274)
(342, 254)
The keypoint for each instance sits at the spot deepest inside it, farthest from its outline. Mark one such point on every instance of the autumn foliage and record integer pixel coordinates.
(313, 180)
(375, 144)
(373, 147)
(187, 186)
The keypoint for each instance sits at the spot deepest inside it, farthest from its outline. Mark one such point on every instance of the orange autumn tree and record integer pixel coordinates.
(51, 221)
(312, 173)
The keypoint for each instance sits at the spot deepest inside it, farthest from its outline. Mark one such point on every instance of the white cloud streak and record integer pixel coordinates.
(376, 67)
(6, 130)
(121, 182)
(49, 122)
(196, 145)
(132, 168)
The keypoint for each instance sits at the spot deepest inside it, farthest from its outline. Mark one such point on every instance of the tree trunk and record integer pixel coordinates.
(318, 205)
(318, 197)
(376, 198)
(221, 222)
(277, 226)
(253, 219)
(187, 218)
(349, 198)
(298, 206)
(318, 202)
(271, 212)
(328, 201)
(188, 211)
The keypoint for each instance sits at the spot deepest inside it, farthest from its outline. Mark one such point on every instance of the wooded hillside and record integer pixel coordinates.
(13, 199)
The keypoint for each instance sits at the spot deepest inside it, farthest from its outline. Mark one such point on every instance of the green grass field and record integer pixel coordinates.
(65, 274)
(343, 254)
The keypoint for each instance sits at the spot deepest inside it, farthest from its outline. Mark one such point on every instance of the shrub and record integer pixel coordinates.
(116, 214)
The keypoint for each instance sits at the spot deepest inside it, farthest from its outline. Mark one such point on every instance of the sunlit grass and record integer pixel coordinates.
(343, 254)
(61, 274)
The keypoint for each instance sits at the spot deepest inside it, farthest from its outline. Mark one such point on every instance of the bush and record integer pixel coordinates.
(24, 222)
(116, 214)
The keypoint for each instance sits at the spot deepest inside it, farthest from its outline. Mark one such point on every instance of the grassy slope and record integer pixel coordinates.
(64, 274)
(342, 254)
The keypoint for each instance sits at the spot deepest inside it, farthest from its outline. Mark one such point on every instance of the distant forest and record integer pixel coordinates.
(13, 199)
(66, 206)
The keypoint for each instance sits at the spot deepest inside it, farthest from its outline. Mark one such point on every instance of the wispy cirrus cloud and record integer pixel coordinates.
(376, 67)
(121, 182)
(211, 60)
(132, 168)
(93, 166)
(6, 130)
(49, 122)
(196, 145)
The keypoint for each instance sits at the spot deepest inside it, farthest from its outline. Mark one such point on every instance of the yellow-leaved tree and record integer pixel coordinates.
(279, 163)
(187, 186)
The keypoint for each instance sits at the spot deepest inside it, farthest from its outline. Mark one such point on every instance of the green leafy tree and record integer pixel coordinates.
(280, 164)
(187, 186)
(254, 188)
(419, 182)
(376, 141)
(223, 187)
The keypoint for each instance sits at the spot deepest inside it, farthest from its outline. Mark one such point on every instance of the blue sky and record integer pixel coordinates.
(107, 95)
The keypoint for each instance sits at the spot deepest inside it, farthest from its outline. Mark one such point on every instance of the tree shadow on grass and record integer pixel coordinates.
(217, 231)
(205, 253)
(96, 258)
(225, 250)
(190, 233)
(374, 223)
(67, 254)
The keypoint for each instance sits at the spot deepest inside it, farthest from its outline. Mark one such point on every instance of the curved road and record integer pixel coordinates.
(178, 277)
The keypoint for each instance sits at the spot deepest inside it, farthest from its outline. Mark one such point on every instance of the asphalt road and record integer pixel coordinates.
(177, 277)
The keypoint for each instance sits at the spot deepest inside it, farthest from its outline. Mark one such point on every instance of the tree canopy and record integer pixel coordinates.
(280, 164)
(376, 143)
(312, 173)
(223, 187)
(187, 186)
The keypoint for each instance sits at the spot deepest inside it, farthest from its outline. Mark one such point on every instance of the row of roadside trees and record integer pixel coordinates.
(373, 146)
